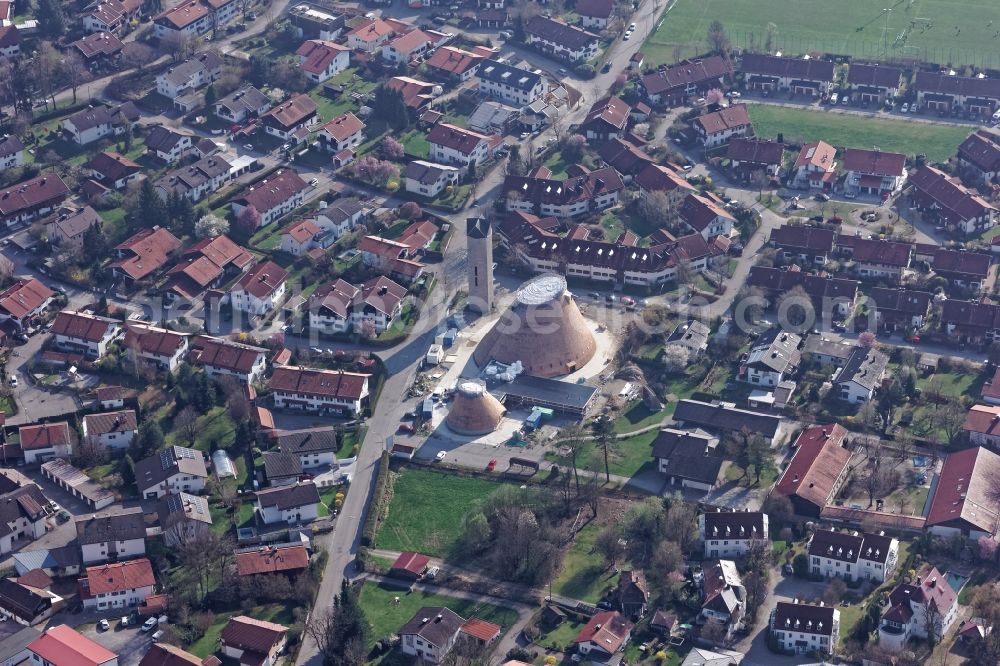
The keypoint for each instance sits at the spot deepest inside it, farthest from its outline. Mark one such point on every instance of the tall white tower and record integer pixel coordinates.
(480, 244)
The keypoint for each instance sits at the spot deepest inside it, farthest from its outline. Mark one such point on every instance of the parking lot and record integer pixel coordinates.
(129, 643)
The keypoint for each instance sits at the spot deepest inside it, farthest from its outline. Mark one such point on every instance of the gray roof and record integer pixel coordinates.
(163, 138)
(775, 350)
(864, 367)
(281, 465)
(688, 455)
(435, 624)
(702, 657)
(817, 344)
(310, 440)
(528, 387)
(10, 145)
(422, 172)
(164, 464)
(342, 209)
(183, 506)
(49, 558)
(726, 418)
(691, 334)
(504, 74)
(14, 638)
(204, 61)
(735, 525)
(247, 98)
(289, 497)
(120, 525)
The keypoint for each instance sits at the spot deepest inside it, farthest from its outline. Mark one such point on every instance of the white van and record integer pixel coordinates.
(833, 98)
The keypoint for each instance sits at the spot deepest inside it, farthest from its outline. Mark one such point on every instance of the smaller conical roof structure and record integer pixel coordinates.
(474, 411)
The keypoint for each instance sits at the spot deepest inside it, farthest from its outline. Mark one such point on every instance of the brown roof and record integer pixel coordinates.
(819, 154)
(595, 8)
(607, 630)
(981, 148)
(294, 111)
(559, 33)
(371, 29)
(119, 577)
(344, 126)
(874, 162)
(410, 41)
(818, 287)
(961, 264)
(723, 119)
(24, 298)
(183, 14)
(878, 251)
(165, 654)
(272, 191)
(453, 60)
(31, 193)
(435, 624)
(82, 325)
(415, 93)
(756, 151)
(797, 68)
(145, 252)
(684, 73)
(312, 381)
(108, 422)
(801, 237)
(45, 435)
(269, 559)
(113, 166)
(481, 629)
(963, 493)
(656, 177)
(878, 76)
(317, 54)
(610, 111)
(73, 222)
(457, 138)
(225, 354)
(946, 84)
(9, 36)
(120, 525)
(957, 202)
(166, 462)
(263, 280)
(98, 44)
(699, 212)
(411, 562)
(819, 460)
(152, 340)
(222, 251)
(289, 497)
(253, 635)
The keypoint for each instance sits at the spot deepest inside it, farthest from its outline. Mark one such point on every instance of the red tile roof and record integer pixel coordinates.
(819, 154)
(119, 577)
(312, 381)
(62, 646)
(272, 560)
(371, 30)
(294, 111)
(607, 630)
(481, 629)
(44, 435)
(146, 252)
(453, 60)
(874, 162)
(225, 354)
(152, 340)
(164, 654)
(991, 389)
(699, 212)
(724, 119)
(301, 231)
(263, 280)
(82, 325)
(317, 54)
(254, 635)
(411, 562)
(655, 177)
(819, 460)
(344, 126)
(272, 191)
(611, 111)
(457, 138)
(964, 490)
(24, 298)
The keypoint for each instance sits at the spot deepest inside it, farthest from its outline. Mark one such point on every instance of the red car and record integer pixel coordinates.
(491, 465)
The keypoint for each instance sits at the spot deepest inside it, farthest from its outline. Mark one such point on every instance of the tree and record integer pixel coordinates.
(771, 38)
(260, 70)
(655, 208)
(933, 623)
(713, 631)
(835, 591)
(680, 522)
(73, 71)
(149, 437)
(248, 221)
(147, 209)
(95, 245)
(796, 307)
(676, 358)
(388, 105)
(138, 55)
(866, 339)
(46, 67)
(667, 558)
(186, 422)
(608, 544)
(714, 96)
(572, 148)
(410, 211)
(574, 439)
(210, 226)
(393, 149)
(604, 434)
(642, 527)
(758, 456)
(341, 632)
(950, 417)
(718, 39)
(211, 96)
(51, 18)
(178, 46)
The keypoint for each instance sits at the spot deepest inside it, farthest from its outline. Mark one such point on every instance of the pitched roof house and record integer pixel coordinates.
(817, 469)
(253, 641)
(604, 635)
(962, 502)
(62, 646)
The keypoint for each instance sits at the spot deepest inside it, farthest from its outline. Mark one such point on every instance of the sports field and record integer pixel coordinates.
(937, 141)
(956, 32)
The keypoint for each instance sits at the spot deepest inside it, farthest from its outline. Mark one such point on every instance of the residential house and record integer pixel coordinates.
(431, 634)
(539, 194)
(220, 357)
(416, 93)
(925, 607)
(970, 321)
(990, 392)
(801, 628)
(677, 84)
(724, 596)
(511, 85)
(113, 171)
(117, 585)
(830, 296)
(702, 657)
(67, 227)
(689, 460)
(773, 358)
(111, 397)
(23, 513)
(110, 430)
(242, 104)
(943, 91)
(11, 152)
(727, 419)
(321, 59)
(44, 441)
(61, 561)
(165, 654)
(196, 181)
(260, 290)
(963, 504)
(750, 157)
(718, 127)
(861, 376)
(897, 309)
(159, 347)
(171, 470)
(874, 84)
(450, 144)
(604, 635)
(24, 300)
(429, 179)
(287, 560)
(311, 22)
(340, 307)
(339, 217)
(183, 517)
(595, 14)
(24, 605)
(407, 46)
(199, 70)
(815, 166)
(274, 197)
(206, 264)
(315, 390)
(982, 426)
(31, 199)
(114, 16)
(606, 120)
(369, 35)
(853, 556)
(281, 469)
(192, 18)
(692, 335)
(799, 76)
(391, 258)
(293, 504)
(824, 351)
(99, 49)
(657, 178)
(560, 40)
(143, 254)
(706, 217)
(731, 534)
(817, 470)
(96, 122)
(61, 646)
(970, 270)
(343, 132)
(980, 152)
(625, 158)
(945, 198)
(168, 145)
(111, 536)
(299, 237)
(251, 641)
(810, 245)
(312, 447)
(873, 172)
(10, 42)
(633, 593)
(453, 64)
(289, 120)
(877, 258)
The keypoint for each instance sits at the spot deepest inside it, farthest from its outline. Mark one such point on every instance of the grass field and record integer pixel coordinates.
(209, 643)
(938, 142)
(583, 575)
(386, 616)
(956, 31)
(426, 511)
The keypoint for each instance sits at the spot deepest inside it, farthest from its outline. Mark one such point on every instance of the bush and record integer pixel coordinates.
(586, 71)
(800, 565)
(381, 485)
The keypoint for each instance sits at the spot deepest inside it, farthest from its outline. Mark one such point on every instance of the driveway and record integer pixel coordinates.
(129, 644)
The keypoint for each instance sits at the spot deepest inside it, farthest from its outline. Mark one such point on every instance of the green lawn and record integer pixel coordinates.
(938, 142)
(215, 425)
(209, 643)
(426, 511)
(329, 109)
(561, 637)
(952, 384)
(415, 143)
(557, 165)
(849, 27)
(639, 416)
(327, 498)
(583, 575)
(627, 457)
(386, 616)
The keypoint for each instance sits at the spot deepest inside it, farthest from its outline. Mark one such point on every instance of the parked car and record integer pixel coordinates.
(432, 573)
(13, 381)
(491, 465)
(439, 456)
(822, 197)
(102, 625)
(148, 625)
(606, 68)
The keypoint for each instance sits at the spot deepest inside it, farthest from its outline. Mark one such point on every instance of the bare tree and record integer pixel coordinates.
(138, 55)
(608, 544)
(713, 631)
(74, 71)
(186, 422)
